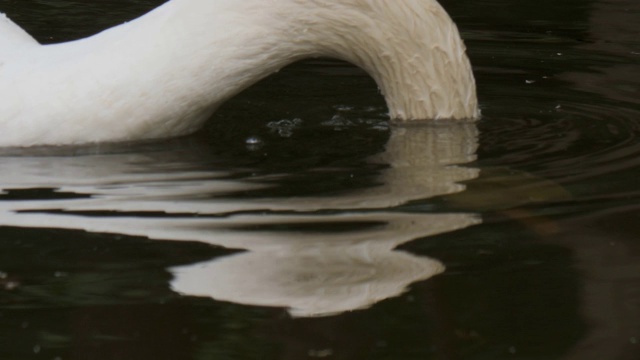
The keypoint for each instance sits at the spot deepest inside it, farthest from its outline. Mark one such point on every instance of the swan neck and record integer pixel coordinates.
(412, 49)
(165, 73)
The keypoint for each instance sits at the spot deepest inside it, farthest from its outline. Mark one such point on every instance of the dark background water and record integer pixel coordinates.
(542, 260)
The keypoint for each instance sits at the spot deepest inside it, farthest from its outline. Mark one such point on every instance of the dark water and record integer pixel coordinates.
(300, 224)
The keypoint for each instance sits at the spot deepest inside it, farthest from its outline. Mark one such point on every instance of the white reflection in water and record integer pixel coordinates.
(312, 263)
(322, 283)
(322, 274)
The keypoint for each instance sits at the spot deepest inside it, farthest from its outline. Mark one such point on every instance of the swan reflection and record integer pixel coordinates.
(319, 274)
(315, 255)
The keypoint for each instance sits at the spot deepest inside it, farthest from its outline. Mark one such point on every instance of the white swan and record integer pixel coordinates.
(166, 72)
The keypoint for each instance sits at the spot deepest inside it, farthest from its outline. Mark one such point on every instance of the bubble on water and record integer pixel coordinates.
(372, 109)
(344, 107)
(284, 127)
(338, 122)
(254, 143)
(253, 140)
(382, 126)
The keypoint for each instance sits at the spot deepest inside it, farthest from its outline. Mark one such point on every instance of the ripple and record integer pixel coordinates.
(348, 238)
(575, 142)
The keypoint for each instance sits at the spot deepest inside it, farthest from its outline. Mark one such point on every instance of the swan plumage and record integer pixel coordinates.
(166, 72)
(13, 36)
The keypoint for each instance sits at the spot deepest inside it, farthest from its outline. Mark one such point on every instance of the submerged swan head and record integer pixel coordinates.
(166, 72)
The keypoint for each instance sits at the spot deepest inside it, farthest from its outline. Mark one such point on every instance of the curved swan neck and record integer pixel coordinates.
(411, 48)
(165, 73)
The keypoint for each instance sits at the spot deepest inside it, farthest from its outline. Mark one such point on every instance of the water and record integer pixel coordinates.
(300, 224)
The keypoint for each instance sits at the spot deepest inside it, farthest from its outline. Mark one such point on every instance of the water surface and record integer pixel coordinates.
(301, 224)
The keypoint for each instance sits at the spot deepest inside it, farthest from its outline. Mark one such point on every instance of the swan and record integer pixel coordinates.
(165, 73)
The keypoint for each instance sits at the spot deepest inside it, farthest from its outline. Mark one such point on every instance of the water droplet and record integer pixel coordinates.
(36, 349)
(3, 275)
(253, 140)
(529, 81)
(254, 143)
(512, 350)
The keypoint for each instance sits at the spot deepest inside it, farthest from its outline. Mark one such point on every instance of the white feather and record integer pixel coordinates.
(165, 73)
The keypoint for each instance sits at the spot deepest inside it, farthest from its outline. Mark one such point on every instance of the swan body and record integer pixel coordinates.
(166, 72)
